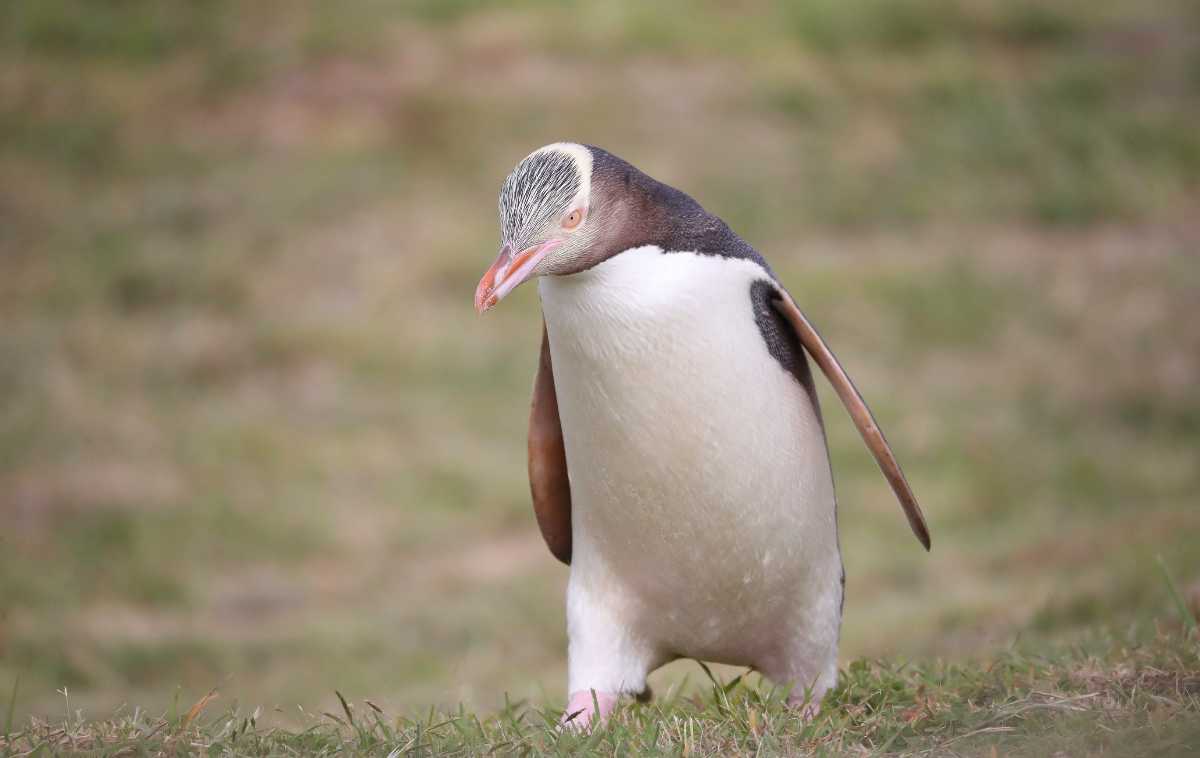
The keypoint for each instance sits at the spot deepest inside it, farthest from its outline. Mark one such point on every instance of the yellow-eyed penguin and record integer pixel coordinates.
(677, 457)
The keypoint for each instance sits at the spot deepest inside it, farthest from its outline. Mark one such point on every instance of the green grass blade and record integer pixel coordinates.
(12, 707)
(1186, 615)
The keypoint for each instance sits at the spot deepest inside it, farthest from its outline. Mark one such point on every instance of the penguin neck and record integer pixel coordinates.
(641, 299)
(623, 289)
(636, 210)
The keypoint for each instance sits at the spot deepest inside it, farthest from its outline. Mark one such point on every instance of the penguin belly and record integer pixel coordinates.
(703, 512)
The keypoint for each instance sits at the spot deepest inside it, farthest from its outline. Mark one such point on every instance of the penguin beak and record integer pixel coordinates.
(509, 271)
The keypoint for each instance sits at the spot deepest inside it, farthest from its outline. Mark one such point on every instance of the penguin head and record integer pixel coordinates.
(548, 220)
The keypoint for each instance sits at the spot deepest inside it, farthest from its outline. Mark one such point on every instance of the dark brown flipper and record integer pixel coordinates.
(859, 412)
(548, 461)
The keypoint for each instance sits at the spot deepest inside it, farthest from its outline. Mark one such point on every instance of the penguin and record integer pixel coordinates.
(677, 454)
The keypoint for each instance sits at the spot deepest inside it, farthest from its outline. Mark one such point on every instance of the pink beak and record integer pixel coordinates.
(509, 271)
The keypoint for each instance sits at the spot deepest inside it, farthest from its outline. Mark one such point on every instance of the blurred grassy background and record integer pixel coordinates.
(252, 435)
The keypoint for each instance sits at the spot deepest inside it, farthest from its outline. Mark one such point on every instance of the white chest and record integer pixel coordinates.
(695, 459)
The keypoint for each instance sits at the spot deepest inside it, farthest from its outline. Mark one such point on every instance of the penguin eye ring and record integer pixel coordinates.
(572, 219)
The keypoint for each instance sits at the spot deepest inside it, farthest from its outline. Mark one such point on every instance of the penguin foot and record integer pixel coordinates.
(807, 706)
(581, 712)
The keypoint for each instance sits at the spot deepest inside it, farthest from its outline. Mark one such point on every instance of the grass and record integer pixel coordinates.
(254, 438)
(1103, 696)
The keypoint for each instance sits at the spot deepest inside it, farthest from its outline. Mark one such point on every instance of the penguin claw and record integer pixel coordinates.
(805, 707)
(587, 708)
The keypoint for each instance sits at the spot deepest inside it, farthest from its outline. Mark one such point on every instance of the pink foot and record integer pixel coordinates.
(581, 709)
(808, 708)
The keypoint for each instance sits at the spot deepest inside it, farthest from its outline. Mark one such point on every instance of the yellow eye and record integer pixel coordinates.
(573, 218)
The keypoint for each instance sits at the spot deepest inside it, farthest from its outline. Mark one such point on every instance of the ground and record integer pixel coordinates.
(1102, 697)
(254, 438)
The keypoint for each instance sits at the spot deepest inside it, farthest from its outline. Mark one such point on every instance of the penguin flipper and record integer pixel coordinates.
(548, 482)
(859, 412)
